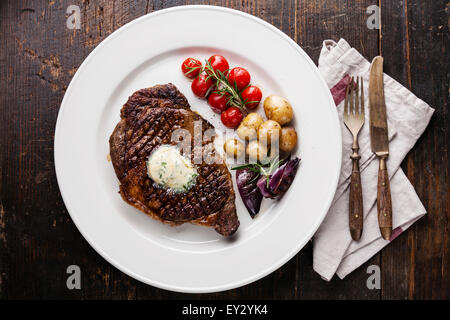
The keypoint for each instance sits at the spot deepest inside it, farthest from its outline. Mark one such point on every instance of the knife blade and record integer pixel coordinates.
(378, 119)
(379, 142)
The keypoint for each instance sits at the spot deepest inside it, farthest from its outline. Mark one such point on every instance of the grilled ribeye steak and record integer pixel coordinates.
(147, 121)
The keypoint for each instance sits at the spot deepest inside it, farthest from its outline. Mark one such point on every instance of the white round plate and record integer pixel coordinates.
(149, 51)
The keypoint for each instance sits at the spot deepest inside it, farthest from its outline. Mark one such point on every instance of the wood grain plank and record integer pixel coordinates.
(415, 46)
(429, 169)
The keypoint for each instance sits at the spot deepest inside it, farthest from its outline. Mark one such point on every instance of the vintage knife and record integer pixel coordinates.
(380, 145)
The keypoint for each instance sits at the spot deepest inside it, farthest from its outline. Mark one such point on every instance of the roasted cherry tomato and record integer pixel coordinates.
(218, 102)
(219, 63)
(239, 77)
(252, 96)
(231, 117)
(191, 67)
(201, 85)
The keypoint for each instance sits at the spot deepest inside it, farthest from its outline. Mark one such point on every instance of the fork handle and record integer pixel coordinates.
(356, 200)
(384, 202)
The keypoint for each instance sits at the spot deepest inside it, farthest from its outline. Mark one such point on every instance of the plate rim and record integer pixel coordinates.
(278, 263)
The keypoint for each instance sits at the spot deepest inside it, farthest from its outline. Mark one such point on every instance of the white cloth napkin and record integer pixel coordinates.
(408, 116)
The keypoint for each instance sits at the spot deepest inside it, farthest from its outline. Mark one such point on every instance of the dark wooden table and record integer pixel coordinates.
(38, 57)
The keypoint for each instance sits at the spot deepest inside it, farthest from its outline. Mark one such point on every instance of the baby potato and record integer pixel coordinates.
(278, 109)
(249, 126)
(233, 148)
(253, 120)
(269, 132)
(288, 139)
(257, 151)
(246, 133)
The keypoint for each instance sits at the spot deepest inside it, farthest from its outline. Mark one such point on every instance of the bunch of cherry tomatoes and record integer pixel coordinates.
(237, 80)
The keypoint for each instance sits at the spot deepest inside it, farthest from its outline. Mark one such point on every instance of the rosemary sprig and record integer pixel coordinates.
(192, 69)
(223, 86)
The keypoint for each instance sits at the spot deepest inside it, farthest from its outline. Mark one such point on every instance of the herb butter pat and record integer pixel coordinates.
(169, 169)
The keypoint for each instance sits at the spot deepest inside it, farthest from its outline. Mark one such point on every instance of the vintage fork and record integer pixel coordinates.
(354, 120)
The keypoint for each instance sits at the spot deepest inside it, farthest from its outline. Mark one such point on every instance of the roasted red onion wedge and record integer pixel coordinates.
(262, 186)
(282, 178)
(256, 181)
(277, 183)
(246, 181)
(275, 179)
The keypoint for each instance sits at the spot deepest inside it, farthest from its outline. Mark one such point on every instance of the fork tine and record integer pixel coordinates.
(362, 98)
(357, 97)
(352, 96)
(346, 100)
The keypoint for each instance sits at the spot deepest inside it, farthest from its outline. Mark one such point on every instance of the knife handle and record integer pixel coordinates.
(356, 201)
(384, 203)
